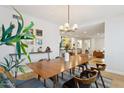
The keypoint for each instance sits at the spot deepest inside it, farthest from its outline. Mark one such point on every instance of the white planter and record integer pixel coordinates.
(66, 56)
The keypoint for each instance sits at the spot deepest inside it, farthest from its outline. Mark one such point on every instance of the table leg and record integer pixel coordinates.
(70, 72)
(55, 81)
(39, 77)
(62, 75)
(73, 71)
(44, 82)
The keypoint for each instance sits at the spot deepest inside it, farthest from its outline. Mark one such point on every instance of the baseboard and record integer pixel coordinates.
(116, 72)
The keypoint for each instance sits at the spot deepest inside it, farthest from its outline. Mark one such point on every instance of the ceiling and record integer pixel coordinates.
(79, 14)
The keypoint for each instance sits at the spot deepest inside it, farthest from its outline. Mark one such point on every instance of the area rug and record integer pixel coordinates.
(66, 76)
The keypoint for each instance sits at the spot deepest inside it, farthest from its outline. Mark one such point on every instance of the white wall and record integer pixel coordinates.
(51, 35)
(97, 43)
(114, 45)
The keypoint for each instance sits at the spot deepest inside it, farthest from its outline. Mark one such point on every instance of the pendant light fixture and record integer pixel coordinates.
(67, 27)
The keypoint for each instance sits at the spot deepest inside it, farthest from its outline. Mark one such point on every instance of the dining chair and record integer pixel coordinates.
(85, 80)
(84, 59)
(100, 67)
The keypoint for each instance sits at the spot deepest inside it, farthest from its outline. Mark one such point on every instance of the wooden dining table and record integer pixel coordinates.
(50, 68)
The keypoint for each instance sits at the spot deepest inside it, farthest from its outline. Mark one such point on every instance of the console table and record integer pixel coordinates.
(31, 53)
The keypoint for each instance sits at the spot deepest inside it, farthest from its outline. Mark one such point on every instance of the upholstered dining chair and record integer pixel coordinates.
(85, 80)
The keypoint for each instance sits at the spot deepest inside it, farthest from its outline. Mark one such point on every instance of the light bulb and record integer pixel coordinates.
(66, 25)
(61, 27)
(75, 27)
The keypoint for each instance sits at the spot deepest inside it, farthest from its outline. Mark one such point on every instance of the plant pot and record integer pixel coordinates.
(66, 56)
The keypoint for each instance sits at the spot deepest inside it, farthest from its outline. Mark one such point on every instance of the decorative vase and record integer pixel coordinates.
(66, 56)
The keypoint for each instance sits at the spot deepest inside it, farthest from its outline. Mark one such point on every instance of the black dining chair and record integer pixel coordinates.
(100, 67)
(85, 80)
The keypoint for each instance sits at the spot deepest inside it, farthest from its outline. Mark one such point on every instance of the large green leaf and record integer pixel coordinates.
(10, 44)
(3, 31)
(26, 29)
(18, 50)
(25, 45)
(9, 35)
(13, 39)
(19, 28)
(21, 17)
(8, 31)
(27, 36)
(24, 51)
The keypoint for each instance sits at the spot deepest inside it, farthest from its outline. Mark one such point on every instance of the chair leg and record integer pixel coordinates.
(44, 82)
(62, 75)
(102, 81)
(70, 72)
(79, 69)
(82, 68)
(86, 66)
(39, 77)
(96, 84)
(73, 71)
(58, 78)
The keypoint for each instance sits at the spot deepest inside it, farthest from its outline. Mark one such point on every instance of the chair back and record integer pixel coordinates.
(87, 77)
(98, 54)
(101, 67)
(84, 58)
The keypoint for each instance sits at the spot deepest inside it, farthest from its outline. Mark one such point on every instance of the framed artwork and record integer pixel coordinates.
(39, 41)
(39, 32)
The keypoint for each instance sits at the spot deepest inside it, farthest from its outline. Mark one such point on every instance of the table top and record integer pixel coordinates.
(47, 69)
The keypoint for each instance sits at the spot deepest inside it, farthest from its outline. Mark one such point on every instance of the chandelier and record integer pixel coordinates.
(66, 27)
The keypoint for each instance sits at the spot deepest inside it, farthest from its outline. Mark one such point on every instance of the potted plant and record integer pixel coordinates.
(16, 40)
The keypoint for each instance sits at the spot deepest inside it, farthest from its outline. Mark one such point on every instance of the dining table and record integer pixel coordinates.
(51, 68)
